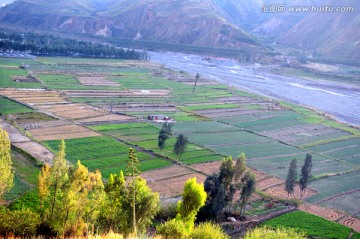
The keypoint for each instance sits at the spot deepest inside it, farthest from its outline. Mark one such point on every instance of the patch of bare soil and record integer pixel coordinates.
(279, 191)
(97, 81)
(268, 182)
(26, 79)
(62, 132)
(43, 124)
(320, 211)
(33, 96)
(36, 150)
(173, 186)
(73, 111)
(107, 118)
(208, 168)
(165, 173)
(351, 222)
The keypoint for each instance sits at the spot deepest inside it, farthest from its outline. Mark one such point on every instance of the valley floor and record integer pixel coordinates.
(101, 108)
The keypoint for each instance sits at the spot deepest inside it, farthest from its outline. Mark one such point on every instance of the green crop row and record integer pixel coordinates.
(11, 107)
(311, 225)
(208, 107)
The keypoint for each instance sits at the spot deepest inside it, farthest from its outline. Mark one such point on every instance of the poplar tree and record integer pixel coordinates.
(6, 172)
(305, 174)
(132, 171)
(240, 167)
(164, 134)
(226, 176)
(58, 179)
(180, 145)
(197, 77)
(291, 177)
(247, 189)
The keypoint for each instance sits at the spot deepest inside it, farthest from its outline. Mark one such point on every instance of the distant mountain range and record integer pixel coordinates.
(212, 23)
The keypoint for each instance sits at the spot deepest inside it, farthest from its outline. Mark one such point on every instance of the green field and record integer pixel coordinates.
(6, 75)
(312, 226)
(26, 174)
(11, 107)
(145, 135)
(334, 185)
(105, 154)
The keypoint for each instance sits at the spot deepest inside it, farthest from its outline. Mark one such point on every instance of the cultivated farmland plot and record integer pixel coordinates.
(105, 154)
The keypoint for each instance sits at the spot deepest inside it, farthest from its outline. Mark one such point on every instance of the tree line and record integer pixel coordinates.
(48, 45)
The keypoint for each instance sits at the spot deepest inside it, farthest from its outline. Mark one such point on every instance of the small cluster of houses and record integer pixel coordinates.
(160, 118)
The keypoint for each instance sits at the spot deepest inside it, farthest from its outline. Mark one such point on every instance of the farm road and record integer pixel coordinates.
(338, 99)
(21, 141)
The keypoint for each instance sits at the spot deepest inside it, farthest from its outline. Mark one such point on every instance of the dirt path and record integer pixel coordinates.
(21, 141)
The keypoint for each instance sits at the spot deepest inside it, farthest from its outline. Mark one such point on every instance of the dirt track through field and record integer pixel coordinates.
(21, 141)
(169, 182)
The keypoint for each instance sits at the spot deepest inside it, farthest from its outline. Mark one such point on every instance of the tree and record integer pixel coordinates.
(146, 206)
(215, 201)
(219, 189)
(248, 187)
(291, 177)
(226, 176)
(180, 145)
(197, 77)
(132, 170)
(193, 198)
(6, 172)
(164, 134)
(240, 167)
(58, 178)
(305, 174)
(112, 213)
(44, 185)
(70, 197)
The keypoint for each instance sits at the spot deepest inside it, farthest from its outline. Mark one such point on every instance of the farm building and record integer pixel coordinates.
(159, 118)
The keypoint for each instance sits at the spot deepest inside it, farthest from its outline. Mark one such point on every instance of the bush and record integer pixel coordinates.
(167, 212)
(21, 223)
(173, 229)
(208, 230)
(279, 233)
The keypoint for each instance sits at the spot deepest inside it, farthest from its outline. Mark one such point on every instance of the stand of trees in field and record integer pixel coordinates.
(48, 45)
(75, 202)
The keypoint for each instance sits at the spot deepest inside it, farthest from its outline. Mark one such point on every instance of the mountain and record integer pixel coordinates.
(193, 22)
(330, 34)
(333, 35)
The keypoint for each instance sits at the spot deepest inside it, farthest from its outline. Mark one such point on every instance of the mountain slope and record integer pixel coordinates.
(194, 22)
(331, 34)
